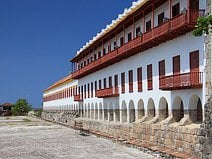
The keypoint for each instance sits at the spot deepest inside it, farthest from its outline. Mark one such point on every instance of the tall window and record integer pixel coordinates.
(121, 41)
(176, 64)
(194, 67)
(130, 73)
(162, 68)
(82, 92)
(100, 84)
(175, 9)
(129, 36)
(79, 90)
(138, 31)
(91, 89)
(194, 61)
(139, 79)
(149, 77)
(85, 91)
(116, 80)
(99, 54)
(104, 51)
(114, 45)
(94, 57)
(161, 71)
(160, 18)
(109, 48)
(110, 82)
(95, 85)
(88, 90)
(105, 83)
(148, 25)
(123, 82)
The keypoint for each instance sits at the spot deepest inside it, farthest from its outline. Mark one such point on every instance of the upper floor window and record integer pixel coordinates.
(130, 81)
(104, 51)
(121, 41)
(116, 80)
(95, 85)
(123, 82)
(82, 91)
(109, 48)
(138, 31)
(91, 89)
(149, 77)
(175, 9)
(88, 90)
(100, 84)
(110, 82)
(94, 57)
(114, 45)
(139, 78)
(148, 26)
(99, 54)
(129, 36)
(105, 83)
(161, 18)
(176, 64)
(84, 63)
(162, 68)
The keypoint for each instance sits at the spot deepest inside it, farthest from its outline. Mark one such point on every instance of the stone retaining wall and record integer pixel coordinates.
(175, 137)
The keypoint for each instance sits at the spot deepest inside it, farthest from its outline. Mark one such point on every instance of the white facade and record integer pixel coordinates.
(181, 104)
(63, 103)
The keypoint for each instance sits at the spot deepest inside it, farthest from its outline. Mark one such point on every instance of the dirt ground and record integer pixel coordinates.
(31, 138)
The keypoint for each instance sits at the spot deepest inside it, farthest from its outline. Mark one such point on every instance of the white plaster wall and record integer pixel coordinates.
(147, 18)
(60, 104)
(163, 8)
(180, 46)
(128, 30)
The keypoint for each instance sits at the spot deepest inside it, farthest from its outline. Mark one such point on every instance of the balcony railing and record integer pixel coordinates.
(178, 25)
(181, 81)
(107, 92)
(77, 98)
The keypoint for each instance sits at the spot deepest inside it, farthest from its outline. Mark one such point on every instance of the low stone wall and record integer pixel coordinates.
(173, 136)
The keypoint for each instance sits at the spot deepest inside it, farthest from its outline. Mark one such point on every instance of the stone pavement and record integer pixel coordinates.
(30, 138)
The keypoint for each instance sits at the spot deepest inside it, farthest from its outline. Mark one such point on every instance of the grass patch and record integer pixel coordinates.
(26, 120)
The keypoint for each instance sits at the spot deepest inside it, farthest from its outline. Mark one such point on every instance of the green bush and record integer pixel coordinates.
(21, 107)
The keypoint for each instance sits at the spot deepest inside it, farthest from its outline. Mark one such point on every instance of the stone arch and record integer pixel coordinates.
(110, 111)
(195, 109)
(100, 111)
(124, 111)
(86, 112)
(89, 111)
(140, 110)
(117, 112)
(131, 111)
(178, 108)
(150, 108)
(96, 111)
(163, 109)
(92, 111)
(105, 110)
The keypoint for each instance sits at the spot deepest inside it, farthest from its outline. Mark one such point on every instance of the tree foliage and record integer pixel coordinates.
(21, 107)
(203, 26)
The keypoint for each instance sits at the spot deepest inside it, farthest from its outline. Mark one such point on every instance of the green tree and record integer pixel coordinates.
(203, 26)
(21, 107)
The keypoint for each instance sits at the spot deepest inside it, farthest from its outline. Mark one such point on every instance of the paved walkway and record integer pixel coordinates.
(29, 138)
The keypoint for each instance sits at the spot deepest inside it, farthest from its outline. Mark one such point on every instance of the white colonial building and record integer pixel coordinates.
(60, 95)
(144, 68)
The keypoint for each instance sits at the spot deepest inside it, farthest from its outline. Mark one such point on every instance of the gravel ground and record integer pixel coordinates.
(30, 138)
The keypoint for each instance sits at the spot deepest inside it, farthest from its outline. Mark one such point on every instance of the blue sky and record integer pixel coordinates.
(39, 37)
